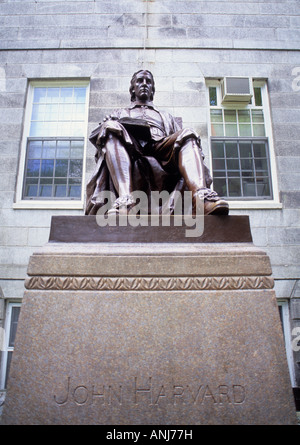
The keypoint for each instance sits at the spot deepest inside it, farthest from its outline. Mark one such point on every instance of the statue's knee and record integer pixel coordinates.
(191, 145)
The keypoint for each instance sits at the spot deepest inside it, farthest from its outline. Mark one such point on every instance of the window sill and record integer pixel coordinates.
(263, 204)
(48, 205)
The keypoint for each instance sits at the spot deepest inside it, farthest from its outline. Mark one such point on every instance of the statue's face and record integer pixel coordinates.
(143, 86)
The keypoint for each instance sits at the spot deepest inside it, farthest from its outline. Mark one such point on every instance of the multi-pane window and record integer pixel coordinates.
(55, 142)
(240, 147)
(54, 168)
(234, 123)
(241, 168)
(11, 323)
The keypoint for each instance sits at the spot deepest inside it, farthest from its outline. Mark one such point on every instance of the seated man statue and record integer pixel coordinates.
(142, 148)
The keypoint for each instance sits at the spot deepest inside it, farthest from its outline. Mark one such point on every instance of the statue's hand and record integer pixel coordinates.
(110, 117)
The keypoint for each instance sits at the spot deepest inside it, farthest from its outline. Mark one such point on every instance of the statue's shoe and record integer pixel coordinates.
(219, 207)
(122, 205)
(212, 203)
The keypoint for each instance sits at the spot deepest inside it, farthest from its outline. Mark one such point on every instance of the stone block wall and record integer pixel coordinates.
(89, 23)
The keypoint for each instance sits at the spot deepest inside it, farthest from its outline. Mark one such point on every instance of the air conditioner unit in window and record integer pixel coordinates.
(236, 89)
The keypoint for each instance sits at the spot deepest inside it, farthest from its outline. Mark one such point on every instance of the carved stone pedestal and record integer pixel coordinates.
(155, 333)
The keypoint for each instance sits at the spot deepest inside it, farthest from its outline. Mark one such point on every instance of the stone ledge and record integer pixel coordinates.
(138, 44)
(217, 229)
(140, 260)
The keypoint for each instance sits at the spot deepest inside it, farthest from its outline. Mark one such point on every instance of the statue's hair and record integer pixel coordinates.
(131, 88)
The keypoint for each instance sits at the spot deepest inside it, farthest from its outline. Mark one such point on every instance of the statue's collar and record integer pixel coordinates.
(139, 105)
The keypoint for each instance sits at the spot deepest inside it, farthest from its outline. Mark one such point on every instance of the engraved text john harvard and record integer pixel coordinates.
(148, 391)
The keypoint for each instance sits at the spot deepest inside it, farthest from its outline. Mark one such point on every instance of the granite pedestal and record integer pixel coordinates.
(154, 333)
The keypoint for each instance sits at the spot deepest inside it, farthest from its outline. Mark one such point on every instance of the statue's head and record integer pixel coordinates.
(137, 78)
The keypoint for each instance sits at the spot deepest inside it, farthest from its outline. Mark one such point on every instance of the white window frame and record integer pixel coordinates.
(6, 347)
(21, 203)
(253, 203)
(284, 304)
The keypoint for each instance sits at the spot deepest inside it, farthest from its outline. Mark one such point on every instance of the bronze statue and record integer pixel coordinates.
(142, 148)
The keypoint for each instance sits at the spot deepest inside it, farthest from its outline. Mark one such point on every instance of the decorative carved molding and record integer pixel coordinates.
(149, 283)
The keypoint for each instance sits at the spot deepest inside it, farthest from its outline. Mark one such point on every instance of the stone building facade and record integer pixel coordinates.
(64, 65)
